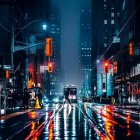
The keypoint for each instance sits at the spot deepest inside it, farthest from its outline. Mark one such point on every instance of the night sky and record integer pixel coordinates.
(70, 36)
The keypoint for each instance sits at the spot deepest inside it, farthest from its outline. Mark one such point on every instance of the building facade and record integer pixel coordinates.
(85, 51)
(54, 33)
(105, 20)
(127, 77)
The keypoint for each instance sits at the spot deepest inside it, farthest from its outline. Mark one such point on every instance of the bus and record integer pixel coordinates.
(72, 91)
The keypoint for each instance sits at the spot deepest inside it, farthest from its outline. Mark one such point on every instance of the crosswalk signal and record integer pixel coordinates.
(106, 67)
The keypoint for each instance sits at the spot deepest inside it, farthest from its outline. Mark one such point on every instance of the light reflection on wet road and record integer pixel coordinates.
(80, 122)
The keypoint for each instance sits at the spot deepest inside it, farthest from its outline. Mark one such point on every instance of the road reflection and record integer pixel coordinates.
(104, 123)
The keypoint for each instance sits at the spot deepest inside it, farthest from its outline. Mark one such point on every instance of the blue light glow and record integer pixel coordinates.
(44, 27)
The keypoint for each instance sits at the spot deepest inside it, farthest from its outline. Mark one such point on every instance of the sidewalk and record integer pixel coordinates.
(13, 113)
(132, 106)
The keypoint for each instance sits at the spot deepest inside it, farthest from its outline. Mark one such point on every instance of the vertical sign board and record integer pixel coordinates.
(131, 48)
(7, 74)
(48, 50)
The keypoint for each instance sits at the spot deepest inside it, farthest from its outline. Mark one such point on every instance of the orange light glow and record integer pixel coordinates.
(7, 74)
(51, 130)
(128, 125)
(106, 64)
(33, 125)
(131, 48)
(48, 50)
(32, 115)
(50, 66)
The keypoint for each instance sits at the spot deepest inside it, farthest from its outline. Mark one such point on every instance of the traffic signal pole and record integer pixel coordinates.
(106, 85)
(106, 71)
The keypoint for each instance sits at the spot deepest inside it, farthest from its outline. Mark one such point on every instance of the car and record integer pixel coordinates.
(53, 99)
(87, 99)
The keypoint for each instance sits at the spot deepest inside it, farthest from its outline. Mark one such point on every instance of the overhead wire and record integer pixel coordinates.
(5, 28)
(133, 13)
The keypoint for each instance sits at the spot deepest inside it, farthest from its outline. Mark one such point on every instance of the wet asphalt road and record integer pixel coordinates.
(81, 122)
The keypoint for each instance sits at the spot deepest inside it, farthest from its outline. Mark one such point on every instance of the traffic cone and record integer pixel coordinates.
(37, 105)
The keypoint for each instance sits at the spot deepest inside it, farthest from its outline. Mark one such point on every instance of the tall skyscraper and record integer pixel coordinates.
(54, 33)
(85, 50)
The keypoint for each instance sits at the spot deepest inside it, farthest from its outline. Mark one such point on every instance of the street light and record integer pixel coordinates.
(19, 47)
(44, 27)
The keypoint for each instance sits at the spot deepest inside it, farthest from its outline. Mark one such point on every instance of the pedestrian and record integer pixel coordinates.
(1, 96)
(9, 99)
(25, 98)
(116, 96)
(14, 99)
(40, 97)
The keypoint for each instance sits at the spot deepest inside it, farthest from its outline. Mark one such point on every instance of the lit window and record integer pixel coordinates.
(118, 14)
(105, 45)
(105, 21)
(112, 14)
(112, 21)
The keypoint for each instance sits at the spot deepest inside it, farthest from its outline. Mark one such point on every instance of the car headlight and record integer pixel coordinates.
(46, 100)
(56, 100)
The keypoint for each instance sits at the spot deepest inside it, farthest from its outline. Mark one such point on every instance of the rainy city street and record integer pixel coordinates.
(69, 69)
(81, 121)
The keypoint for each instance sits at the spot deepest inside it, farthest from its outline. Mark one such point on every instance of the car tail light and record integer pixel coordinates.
(72, 97)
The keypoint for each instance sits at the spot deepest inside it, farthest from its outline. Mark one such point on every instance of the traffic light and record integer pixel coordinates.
(106, 67)
(115, 67)
(48, 50)
(131, 48)
(50, 66)
(7, 74)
